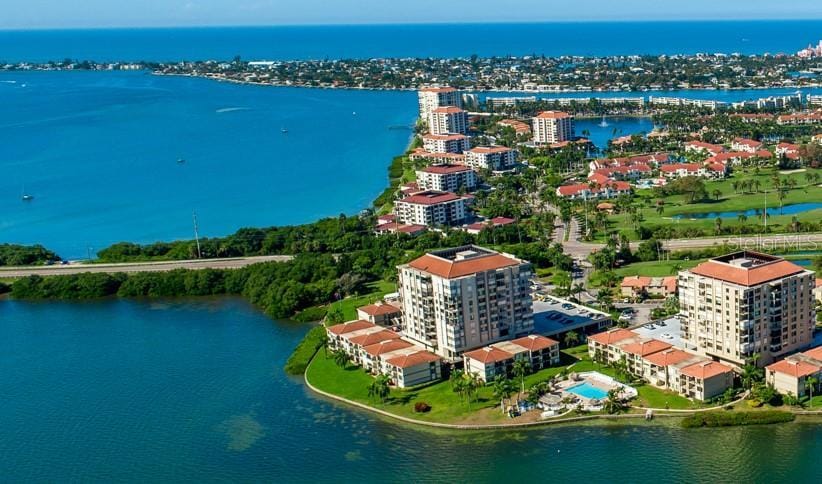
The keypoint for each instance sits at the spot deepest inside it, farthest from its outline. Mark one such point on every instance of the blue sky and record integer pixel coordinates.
(23, 14)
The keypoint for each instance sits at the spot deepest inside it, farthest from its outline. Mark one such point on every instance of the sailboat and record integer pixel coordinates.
(26, 197)
(283, 131)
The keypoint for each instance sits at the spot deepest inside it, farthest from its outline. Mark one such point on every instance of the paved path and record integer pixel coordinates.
(228, 263)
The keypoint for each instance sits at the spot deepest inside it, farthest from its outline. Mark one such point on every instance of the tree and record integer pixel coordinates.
(562, 280)
(379, 388)
(576, 290)
(503, 388)
(621, 368)
(716, 193)
(341, 358)
(323, 342)
(458, 381)
(751, 373)
(613, 403)
(718, 226)
(571, 339)
(648, 250)
(810, 384)
(521, 368)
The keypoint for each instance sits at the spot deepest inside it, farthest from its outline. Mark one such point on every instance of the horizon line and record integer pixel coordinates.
(409, 24)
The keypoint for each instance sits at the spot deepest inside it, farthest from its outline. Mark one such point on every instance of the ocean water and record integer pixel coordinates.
(193, 390)
(364, 41)
(99, 152)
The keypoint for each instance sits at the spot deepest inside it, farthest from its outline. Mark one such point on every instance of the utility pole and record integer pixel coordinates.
(765, 213)
(197, 236)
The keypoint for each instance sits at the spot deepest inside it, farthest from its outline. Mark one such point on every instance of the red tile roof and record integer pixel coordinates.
(350, 326)
(796, 369)
(489, 149)
(413, 359)
(447, 110)
(612, 336)
(494, 222)
(751, 143)
(430, 198)
(373, 338)
(636, 281)
(535, 342)
(644, 348)
(488, 354)
(438, 89)
(815, 353)
(747, 276)
(553, 115)
(705, 370)
(446, 169)
(452, 269)
(671, 356)
(673, 167)
(386, 346)
(379, 309)
(444, 137)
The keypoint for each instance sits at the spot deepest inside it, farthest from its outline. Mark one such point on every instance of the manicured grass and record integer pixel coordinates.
(655, 268)
(349, 305)
(729, 201)
(652, 397)
(353, 382)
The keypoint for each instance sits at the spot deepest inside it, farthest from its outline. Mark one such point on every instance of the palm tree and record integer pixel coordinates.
(742, 218)
(521, 368)
(660, 206)
(379, 388)
(750, 372)
(718, 226)
(341, 358)
(324, 343)
(757, 183)
(735, 186)
(717, 193)
(571, 339)
(613, 404)
(811, 383)
(576, 290)
(472, 385)
(458, 382)
(503, 388)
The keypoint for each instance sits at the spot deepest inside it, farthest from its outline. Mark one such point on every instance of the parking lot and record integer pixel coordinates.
(554, 316)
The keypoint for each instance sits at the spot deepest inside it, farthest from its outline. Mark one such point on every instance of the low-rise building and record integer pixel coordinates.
(478, 227)
(498, 359)
(799, 118)
(700, 146)
(746, 145)
(380, 313)
(431, 208)
(447, 178)
(641, 286)
(679, 170)
(585, 191)
(705, 380)
(791, 374)
(495, 158)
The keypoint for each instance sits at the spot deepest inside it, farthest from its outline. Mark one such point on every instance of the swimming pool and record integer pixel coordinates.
(586, 390)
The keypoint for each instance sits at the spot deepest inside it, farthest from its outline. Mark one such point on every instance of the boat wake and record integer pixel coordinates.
(229, 110)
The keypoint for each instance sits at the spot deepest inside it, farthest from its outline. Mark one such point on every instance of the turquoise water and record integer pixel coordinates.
(587, 390)
(791, 209)
(614, 127)
(365, 41)
(193, 391)
(99, 152)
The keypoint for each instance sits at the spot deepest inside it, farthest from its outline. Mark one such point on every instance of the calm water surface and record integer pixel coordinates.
(365, 41)
(99, 153)
(193, 391)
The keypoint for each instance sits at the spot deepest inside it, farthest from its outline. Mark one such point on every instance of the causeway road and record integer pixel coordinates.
(130, 267)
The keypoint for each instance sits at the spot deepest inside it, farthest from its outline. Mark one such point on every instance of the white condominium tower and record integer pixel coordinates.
(463, 298)
(747, 303)
(434, 97)
(553, 127)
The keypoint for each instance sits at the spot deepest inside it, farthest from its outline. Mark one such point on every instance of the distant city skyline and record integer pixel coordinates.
(57, 14)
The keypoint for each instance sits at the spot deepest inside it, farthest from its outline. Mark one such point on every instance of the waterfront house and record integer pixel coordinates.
(791, 374)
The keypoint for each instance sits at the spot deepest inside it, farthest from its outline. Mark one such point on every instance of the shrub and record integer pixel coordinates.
(299, 359)
(728, 419)
(422, 407)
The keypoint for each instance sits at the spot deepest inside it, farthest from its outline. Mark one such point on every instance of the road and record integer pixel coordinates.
(55, 270)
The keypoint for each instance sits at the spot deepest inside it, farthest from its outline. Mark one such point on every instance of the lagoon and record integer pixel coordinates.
(791, 209)
(192, 390)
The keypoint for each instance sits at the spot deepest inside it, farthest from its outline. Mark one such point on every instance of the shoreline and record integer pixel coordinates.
(593, 92)
(598, 419)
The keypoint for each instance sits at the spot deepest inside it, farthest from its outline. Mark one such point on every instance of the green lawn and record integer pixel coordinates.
(728, 201)
(349, 305)
(655, 268)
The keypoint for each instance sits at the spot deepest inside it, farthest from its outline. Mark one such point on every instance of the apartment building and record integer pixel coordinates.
(498, 359)
(431, 208)
(447, 178)
(446, 120)
(459, 299)
(495, 158)
(700, 146)
(746, 145)
(747, 303)
(380, 313)
(553, 127)
(594, 190)
(691, 375)
(791, 374)
(445, 143)
(380, 351)
(431, 98)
